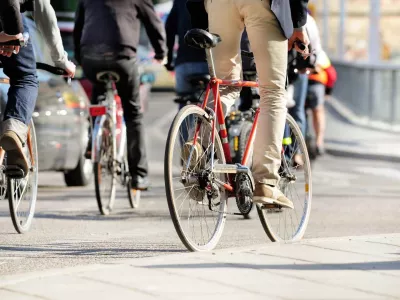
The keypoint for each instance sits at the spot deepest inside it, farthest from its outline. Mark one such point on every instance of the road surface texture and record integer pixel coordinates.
(352, 197)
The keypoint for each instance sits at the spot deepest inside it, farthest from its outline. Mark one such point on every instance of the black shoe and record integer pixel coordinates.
(320, 151)
(140, 183)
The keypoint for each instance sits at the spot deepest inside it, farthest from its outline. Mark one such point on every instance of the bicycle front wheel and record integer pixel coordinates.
(22, 193)
(295, 171)
(104, 167)
(198, 218)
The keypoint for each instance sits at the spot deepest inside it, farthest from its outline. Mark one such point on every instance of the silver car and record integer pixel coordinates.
(61, 120)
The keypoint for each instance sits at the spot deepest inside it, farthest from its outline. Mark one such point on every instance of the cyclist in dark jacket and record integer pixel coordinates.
(106, 37)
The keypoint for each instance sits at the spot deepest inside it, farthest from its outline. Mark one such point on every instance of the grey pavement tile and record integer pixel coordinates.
(66, 287)
(8, 294)
(314, 253)
(345, 276)
(154, 281)
(252, 276)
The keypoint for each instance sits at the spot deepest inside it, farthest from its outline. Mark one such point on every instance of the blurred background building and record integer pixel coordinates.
(359, 29)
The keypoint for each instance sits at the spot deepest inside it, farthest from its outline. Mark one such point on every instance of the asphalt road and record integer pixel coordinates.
(351, 197)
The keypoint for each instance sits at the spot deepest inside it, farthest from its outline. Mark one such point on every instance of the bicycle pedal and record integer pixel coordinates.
(14, 172)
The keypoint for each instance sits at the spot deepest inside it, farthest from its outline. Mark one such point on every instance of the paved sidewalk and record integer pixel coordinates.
(338, 268)
(344, 138)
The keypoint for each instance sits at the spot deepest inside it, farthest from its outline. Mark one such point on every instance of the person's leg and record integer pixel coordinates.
(318, 112)
(298, 112)
(182, 86)
(91, 68)
(224, 19)
(128, 90)
(21, 102)
(269, 46)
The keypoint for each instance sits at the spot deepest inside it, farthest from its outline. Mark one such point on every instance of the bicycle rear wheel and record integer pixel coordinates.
(133, 194)
(104, 167)
(296, 184)
(22, 193)
(198, 219)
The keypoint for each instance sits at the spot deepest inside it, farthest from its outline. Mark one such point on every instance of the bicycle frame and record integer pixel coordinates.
(213, 86)
(100, 111)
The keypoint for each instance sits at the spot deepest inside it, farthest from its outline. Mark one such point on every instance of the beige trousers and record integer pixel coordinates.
(228, 18)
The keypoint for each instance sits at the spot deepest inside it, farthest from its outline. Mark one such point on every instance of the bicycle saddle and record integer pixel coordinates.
(201, 39)
(198, 79)
(107, 75)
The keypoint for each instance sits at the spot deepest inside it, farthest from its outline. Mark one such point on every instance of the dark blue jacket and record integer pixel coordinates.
(177, 24)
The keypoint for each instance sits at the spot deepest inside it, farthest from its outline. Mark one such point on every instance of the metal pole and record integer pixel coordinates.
(341, 36)
(374, 48)
(325, 20)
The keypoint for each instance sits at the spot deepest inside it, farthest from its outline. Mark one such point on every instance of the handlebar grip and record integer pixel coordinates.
(21, 43)
(51, 69)
(13, 43)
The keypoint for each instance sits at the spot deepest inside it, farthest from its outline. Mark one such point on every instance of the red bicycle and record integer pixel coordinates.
(198, 189)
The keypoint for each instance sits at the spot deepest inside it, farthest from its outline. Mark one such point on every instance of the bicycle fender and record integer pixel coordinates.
(97, 137)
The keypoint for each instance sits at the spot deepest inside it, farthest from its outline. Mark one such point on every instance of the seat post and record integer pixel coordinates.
(210, 61)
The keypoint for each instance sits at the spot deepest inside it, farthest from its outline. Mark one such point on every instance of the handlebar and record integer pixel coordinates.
(51, 69)
(48, 68)
(21, 43)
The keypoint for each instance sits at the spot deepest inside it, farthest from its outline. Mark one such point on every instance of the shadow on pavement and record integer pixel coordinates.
(73, 249)
(368, 266)
(95, 216)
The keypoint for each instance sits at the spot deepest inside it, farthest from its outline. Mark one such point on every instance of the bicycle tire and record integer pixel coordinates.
(268, 216)
(244, 135)
(30, 188)
(189, 242)
(105, 201)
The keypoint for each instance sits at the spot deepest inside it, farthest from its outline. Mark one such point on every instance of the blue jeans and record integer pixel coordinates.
(24, 86)
(298, 112)
(182, 86)
(182, 71)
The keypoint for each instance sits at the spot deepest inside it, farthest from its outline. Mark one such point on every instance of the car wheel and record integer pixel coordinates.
(81, 175)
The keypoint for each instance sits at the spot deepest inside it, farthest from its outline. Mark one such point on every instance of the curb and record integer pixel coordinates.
(364, 122)
(349, 117)
(341, 152)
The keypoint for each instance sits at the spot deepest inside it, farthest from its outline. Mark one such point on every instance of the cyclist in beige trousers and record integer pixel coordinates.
(273, 27)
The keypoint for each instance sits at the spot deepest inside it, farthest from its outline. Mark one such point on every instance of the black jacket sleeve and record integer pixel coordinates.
(198, 14)
(154, 27)
(10, 17)
(299, 12)
(171, 28)
(78, 28)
